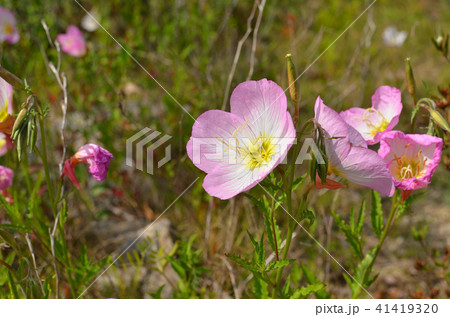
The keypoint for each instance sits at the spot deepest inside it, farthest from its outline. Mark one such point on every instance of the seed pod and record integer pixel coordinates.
(291, 78)
(410, 82)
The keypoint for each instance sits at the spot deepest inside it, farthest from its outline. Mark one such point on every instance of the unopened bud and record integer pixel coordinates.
(438, 118)
(410, 82)
(291, 78)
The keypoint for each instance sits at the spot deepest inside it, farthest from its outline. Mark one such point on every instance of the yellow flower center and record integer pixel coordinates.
(4, 111)
(8, 29)
(258, 153)
(409, 167)
(374, 127)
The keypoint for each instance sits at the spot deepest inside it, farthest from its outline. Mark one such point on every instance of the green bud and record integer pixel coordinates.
(33, 136)
(21, 117)
(410, 82)
(437, 118)
(291, 74)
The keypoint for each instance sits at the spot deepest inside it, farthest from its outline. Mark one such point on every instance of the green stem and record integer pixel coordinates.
(45, 164)
(387, 227)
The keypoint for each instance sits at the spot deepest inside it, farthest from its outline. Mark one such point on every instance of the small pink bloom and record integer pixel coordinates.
(8, 30)
(411, 158)
(348, 155)
(238, 149)
(96, 157)
(380, 118)
(6, 177)
(72, 42)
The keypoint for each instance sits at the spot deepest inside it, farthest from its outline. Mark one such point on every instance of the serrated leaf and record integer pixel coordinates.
(243, 262)
(376, 214)
(312, 279)
(299, 181)
(307, 214)
(277, 264)
(305, 291)
(261, 288)
(361, 217)
(353, 239)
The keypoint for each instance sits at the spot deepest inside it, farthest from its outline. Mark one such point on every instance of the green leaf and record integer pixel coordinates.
(361, 217)
(277, 264)
(353, 239)
(376, 214)
(299, 181)
(312, 279)
(157, 294)
(305, 291)
(307, 214)
(261, 288)
(362, 275)
(243, 262)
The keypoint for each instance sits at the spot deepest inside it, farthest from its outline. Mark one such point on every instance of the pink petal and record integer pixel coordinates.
(353, 117)
(364, 167)
(210, 131)
(263, 103)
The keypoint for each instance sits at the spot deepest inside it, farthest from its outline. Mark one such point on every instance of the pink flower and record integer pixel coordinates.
(411, 159)
(8, 30)
(380, 118)
(5, 99)
(72, 42)
(237, 149)
(6, 177)
(6, 180)
(96, 157)
(348, 155)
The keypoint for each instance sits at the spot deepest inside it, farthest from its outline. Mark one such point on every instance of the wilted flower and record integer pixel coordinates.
(72, 42)
(393, 37)
(382, 117)
(348, 154)
(96, 157)
(237, 149)
(8, 30)
(411, 159)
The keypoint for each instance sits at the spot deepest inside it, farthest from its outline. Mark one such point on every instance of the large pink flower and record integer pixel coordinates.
(96, 157)
(8, 30)
(380, 118)
(237, 149)
(348, 155)
(72, 42)
(411, 158)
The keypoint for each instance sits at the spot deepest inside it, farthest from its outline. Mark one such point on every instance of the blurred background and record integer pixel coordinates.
(189, 47)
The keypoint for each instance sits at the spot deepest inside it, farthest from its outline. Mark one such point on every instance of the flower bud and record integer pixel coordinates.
(438, 118)
(410, 82)
(293, 93)
(291, 78)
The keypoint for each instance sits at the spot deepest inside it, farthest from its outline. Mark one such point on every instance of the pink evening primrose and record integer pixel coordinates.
(5, 99)
(411, 159)
(348, 155)
(237, 149)
(96, 157)
(8, 30)
(72, 42)
(6, 181)
(380, 118)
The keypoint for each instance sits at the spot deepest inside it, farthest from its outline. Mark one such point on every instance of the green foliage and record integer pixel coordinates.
(353, 230)
(376, 213)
